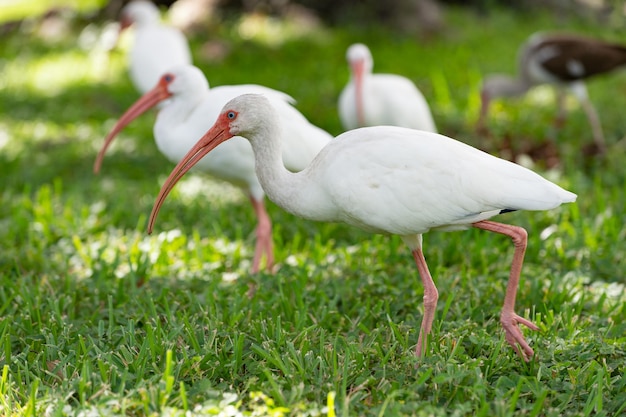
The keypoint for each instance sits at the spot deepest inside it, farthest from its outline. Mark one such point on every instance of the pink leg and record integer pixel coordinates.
(508, 318)
(263, 238)
(430, 299)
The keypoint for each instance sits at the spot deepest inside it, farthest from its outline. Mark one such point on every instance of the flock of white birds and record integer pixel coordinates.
(390, 172)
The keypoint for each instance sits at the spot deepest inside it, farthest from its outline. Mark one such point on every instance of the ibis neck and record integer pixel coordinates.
(173, 131)
(514, 87)
(178, 109)
(359, 78)
(189, 101)
(360, 105)
(283, 187)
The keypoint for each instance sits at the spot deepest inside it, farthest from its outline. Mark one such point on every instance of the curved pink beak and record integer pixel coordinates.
(217, 134)
(146, 102)
(358, 68)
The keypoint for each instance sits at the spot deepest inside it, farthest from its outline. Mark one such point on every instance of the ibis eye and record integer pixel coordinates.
(231, 115)
(168, 77)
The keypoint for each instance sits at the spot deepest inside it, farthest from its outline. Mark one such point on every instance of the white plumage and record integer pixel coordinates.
(380, 99)
(413, 181)
(389, 180)
(192, 107)
(155, 47)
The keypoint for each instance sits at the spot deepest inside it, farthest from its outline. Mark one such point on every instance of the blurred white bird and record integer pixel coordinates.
(380, 99)
(155, 47)
(190, 107)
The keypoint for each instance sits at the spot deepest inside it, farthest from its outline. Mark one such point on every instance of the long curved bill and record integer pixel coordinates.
(146, 102)
(216, 135)
(357, 70)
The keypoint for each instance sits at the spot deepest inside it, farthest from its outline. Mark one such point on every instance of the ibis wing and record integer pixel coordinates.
(404, 181)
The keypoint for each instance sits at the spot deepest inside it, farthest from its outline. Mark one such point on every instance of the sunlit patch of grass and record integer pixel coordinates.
(197, 186)
(541, 97)
(43, 133)
(274, 31)
(120, 254)
(52, 74)
(19, 9)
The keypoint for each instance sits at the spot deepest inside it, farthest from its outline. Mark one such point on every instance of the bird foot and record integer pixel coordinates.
(513, 335)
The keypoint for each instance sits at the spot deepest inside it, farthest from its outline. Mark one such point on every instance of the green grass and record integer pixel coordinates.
(98, 317)
(15, 10)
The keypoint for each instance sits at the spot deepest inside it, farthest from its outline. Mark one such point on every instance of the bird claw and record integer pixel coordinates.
(514, 336)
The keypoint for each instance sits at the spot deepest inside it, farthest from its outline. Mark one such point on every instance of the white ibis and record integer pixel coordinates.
(191, 108)
(563, 60)
(380, 99)
(389, 180)
(156, 47)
